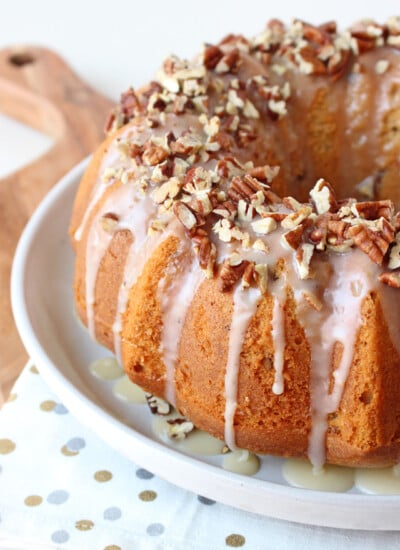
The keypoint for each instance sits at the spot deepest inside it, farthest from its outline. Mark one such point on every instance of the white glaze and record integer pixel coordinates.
(201, 443)
(106, 368)
(338, 321)
(129, 392)
(278, 337)
(241, 462)
(301, 473)
(378, 481)
(112, 160)
(244, 307)
(176, 291)
(137, 221)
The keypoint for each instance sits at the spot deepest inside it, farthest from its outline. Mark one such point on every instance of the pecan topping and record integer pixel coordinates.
(157, 405)
(212, 55)
(186, 215)
(390, 278)
(371, 242)
(154, 155)
(179, 428)
(230, 274)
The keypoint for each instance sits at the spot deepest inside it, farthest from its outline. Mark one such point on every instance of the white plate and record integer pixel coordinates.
(61, 349)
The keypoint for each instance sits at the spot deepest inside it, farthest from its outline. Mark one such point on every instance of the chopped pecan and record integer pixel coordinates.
(390, 278)
(207, 254)
(179, 428)
(309, 62)
(224, 140)
(292, 220)
(229, 63)
(212, 55)
(186, 144)
(186, 216)
(109, 222)
(365, 42)
(318, 35)
(394, 258)
(248, 275)
(154, 154)
(264, 226)
(227, 209)
(373, 210)
(371, 242)
(323, 196)
(230, 274)
(261, 277)
(130, 104)
(293, 238)
(157, 405)
(303, 259)
(245, 135)
(329, 27)
(265, 173)
(338, 63)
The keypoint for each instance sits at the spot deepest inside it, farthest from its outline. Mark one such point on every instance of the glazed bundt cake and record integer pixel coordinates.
(218, 253)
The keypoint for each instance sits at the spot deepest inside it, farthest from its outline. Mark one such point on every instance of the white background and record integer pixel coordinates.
(117, 43)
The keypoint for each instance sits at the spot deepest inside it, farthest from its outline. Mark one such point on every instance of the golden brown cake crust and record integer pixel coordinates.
(170, 223)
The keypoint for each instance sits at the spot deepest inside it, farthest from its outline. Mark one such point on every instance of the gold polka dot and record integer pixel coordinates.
(65, 451)
(235, 540)
(12, 397)
(6, 446)
(47, 406)
(34, 369)
(102, 475)
(84, 525)
(33, 500)
(112, 547)
(147, 496)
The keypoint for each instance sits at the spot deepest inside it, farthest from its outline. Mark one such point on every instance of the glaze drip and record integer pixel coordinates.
(244, 306)
(176, 292)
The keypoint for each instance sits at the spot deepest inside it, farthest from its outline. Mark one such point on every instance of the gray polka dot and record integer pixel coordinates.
(112, 513)
(205, 500)
(60, 536)
(155, 529)
(76, 444)
(141, 473)
(58, 497)
(60, 409)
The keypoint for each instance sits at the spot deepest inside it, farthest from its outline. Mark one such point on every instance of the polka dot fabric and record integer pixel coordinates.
(62, 487)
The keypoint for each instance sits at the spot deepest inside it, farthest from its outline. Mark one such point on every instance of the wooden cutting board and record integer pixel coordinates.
(39, 89)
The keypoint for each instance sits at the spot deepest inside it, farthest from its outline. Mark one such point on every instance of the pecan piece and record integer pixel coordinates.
(230, 274)
(154, 154)
(157, 405)
(373, 210)
(323, 197)
(293, 238)
(179, 428)
(229, 63)
(212, 56)
(372, 243)
(186, 216)
(390, 278)
(109, 222)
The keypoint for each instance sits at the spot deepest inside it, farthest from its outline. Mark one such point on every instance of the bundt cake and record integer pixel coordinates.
(218, 253)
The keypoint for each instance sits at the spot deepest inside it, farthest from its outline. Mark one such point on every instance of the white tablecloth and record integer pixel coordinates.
(63, 487)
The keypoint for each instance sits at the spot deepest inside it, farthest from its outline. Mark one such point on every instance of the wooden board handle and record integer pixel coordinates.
(39, 89)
